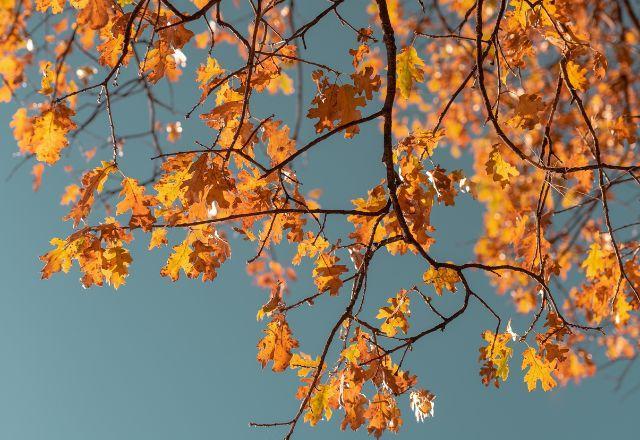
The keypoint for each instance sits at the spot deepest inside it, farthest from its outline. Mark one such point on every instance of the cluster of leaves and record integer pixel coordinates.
(541, 96)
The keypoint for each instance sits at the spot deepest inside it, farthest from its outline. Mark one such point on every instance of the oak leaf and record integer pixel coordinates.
(57, 6)
(22, 126)
(136, 201)
(304, 363)
(595, 262)
(422, 142)
(409, 68)
(320, 404)
(116, 261)
(383, 414)
(577, 76)
(351, 353)
(158, 238)
(442, 278)
(208, 75)
(526, 113)
(70, 195)
(539, 370)
(48, 79)
(442, 185)
(277, 344)
(500, 169)
(326, 273)
(335, 105)
(111, 51)
(171, 185)
(161, 62)
(178, 260)
(366, 82)
(395, 314)
(94, 13)
(92, 181)
(50, 131)
(422, 403)
(311, 246)
(495, 355)
(351, 397)
(58, 259)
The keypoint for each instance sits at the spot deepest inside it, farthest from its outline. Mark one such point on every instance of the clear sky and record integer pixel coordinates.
(163, 361)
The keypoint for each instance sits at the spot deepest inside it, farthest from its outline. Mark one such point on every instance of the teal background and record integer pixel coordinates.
(158, 360)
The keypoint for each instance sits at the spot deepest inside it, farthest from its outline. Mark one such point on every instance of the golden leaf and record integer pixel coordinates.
(409, 69)
(277, 344)
(442, 278)
(304, 363)
(500, 169)
(539, 370)
(179, 259)
(577, 76)
(395, 314)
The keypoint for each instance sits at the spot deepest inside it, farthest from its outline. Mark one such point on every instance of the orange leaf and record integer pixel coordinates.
(277, 344)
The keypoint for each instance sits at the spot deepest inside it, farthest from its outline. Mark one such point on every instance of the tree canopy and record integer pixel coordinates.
(540, 97)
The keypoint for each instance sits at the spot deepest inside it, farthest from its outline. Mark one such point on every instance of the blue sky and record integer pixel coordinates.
(160, 360)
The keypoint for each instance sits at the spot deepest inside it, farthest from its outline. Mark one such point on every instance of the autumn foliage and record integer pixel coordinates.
(540, 97)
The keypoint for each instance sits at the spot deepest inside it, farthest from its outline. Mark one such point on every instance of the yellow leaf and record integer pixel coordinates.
(92, 181)
(179, 259)
(171, 185)
(277, 344)
(282, 83)
(115, 265)
(539, 370)
(319, 405)
(526, 113)
(48, 79)
(57, 6)
(111, 50)
(303, 363)
(158, 238)
(311, 246)
(500, 169)
(206, 73)
(351, 353)
(497, 352)
(577, 76)
(395, 315)
(22, 126)
(595, 262)
(327, 273)
(409, 68)
(50, 133)
(70, 195)
(94, 13)
(441, 278)
(622, 310)
(58, 259)
(422, 141)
